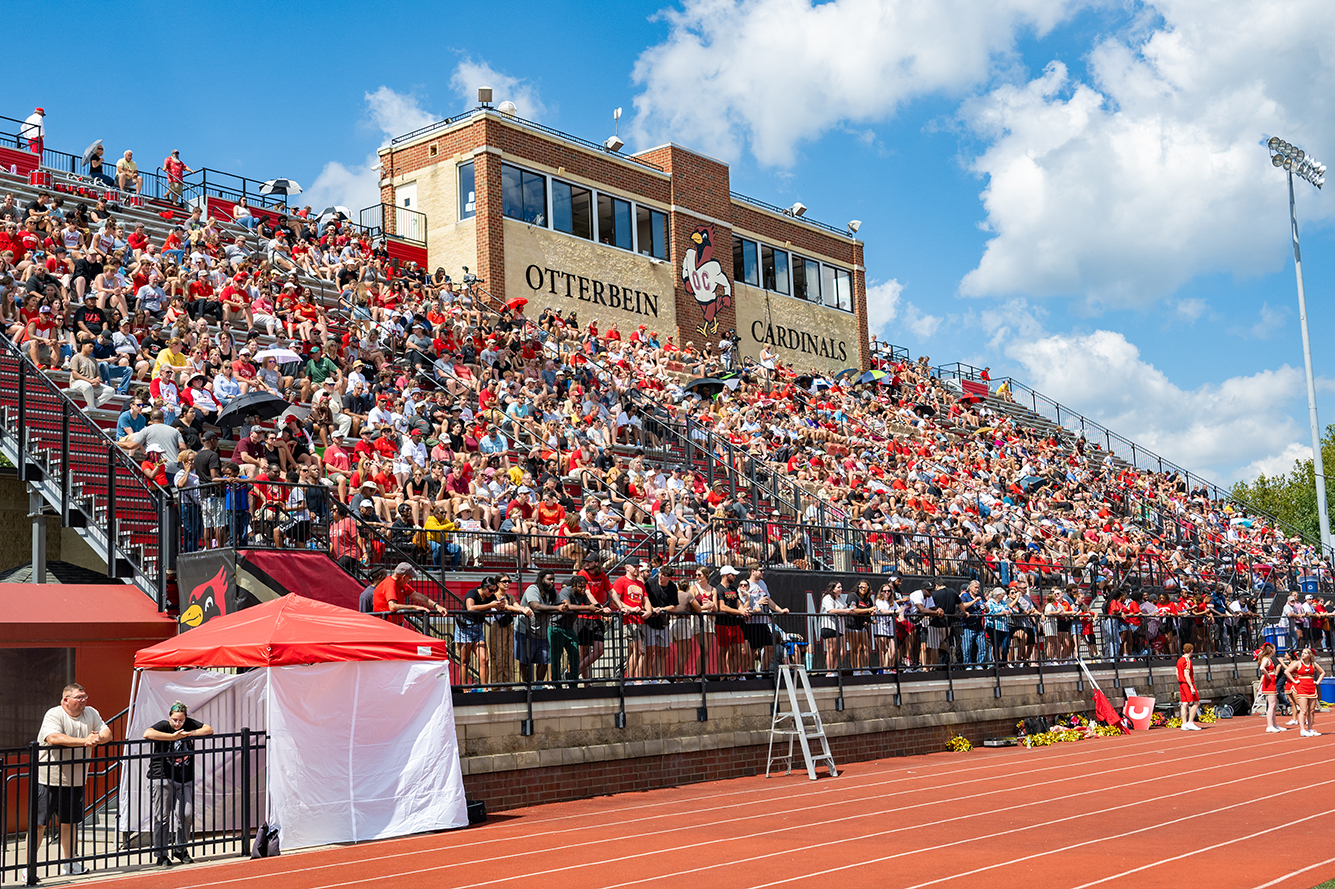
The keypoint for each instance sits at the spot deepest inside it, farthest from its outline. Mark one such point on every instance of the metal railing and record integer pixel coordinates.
(388, 220)
(84, 475)
(1130, 453)
(118, 817)
(755, 202)
(527, 124)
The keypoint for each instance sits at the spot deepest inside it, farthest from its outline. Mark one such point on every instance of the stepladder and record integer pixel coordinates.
(796, 718)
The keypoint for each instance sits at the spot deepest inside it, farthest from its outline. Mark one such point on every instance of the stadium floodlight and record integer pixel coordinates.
(854, 225)
(798, 209)
(484, 95)
(1295, 160)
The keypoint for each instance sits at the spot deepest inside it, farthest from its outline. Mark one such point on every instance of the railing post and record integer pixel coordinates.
(65, 462)
(165, 515)
(245, 793)
(34, 751)
(111, 512)
(22, 447)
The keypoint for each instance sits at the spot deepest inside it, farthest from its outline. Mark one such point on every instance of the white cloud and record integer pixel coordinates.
(1122, 188)
(1269, 322)
(358, 186)
(921, 324)
(1219, 429)
(1280, 464)
(1191, 309)
(883, 303)
(469, 75)
(773, 73)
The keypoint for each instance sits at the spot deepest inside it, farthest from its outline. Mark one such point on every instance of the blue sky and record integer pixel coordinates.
(1071, 192)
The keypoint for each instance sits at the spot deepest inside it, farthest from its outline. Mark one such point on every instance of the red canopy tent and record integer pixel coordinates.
(357, 712)
(291, 630)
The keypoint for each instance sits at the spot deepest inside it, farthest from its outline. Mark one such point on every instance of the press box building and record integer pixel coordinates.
(655, 238)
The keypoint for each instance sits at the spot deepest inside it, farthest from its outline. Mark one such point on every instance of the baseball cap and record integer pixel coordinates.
(728, 569)
(156, 449)
(403, 568)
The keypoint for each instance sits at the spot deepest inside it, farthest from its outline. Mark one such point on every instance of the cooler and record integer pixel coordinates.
(1278, 636)
(1326, 690)
(39, 178)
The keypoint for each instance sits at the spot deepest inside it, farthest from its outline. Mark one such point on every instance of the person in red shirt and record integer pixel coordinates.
(395, 594)
(1189, 695)
(175, 169)
(598, 586)
(154, 467)
(628, 597)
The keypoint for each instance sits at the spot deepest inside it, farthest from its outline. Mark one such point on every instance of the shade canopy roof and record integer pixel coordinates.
(291, 630)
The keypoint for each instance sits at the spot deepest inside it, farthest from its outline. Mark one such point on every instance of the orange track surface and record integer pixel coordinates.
(1159, 808)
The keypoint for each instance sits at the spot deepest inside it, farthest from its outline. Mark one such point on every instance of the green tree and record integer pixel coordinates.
(1292, 497)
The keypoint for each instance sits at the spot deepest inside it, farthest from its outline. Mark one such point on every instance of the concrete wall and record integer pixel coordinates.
(663, 744)
(451, 244)
(598, 282)
(805, 335)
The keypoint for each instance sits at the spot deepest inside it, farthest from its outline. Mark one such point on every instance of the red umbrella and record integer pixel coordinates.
(516, 304)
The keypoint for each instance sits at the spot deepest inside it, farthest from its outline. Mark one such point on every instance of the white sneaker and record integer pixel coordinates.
(1192, 727)
(1292, 722)
(1280, 728)
(1271, 729)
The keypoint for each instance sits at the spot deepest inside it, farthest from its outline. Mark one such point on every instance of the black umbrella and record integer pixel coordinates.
(924, 410)
(803, 381)
(846, 372)
(263, 403)
(280, 186)
(706, 386)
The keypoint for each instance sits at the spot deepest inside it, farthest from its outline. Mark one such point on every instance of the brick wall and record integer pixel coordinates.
(530, 787)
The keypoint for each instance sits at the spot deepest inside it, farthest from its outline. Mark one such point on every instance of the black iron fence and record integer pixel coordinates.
(128, 804)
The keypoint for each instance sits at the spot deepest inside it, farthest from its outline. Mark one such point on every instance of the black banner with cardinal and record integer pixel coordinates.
(207, 582)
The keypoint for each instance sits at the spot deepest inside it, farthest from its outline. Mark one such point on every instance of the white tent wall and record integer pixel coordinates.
(356, 750)
(362, 750)
(227, 701)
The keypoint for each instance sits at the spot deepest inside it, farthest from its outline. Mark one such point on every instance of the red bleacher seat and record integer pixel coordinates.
(23, 162)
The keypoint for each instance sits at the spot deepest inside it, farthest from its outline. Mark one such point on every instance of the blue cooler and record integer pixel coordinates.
(1326, 690)
(1277, 635)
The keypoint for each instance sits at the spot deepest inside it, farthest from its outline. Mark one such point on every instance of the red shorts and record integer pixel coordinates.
(1188, 694)
(729, 635)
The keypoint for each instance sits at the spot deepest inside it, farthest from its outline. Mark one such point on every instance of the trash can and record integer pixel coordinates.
(843, 558)
(1276, 635)
(1327, 690)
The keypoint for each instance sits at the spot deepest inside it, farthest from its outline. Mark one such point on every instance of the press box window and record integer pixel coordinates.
(774, 269)
(745, 267)
(838, 288)
(467, 192)
(614, 221)
(806, 279)
(572, 210)
(523, 195)
(652, 230)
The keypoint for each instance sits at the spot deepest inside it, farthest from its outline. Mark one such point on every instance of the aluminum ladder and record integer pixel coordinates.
(799, 724)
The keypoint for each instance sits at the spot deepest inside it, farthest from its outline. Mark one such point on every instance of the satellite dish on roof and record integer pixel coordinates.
(508, 108)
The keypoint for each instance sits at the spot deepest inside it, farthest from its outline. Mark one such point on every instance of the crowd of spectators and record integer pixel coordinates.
(457, 422)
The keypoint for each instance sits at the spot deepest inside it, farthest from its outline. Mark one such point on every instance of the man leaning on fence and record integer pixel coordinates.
(171, 781)
(68, 733)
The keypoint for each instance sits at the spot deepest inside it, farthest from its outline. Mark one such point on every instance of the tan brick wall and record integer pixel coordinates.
(450, 244)
(806, 336)
(589, 278)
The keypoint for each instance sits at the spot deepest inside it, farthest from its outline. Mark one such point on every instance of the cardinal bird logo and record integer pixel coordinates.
(206, 601)
(703, 276)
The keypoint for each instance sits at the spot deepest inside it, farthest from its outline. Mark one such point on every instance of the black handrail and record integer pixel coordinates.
(122, 475)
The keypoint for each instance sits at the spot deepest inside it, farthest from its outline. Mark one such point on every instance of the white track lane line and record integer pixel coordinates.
(916, 774)
(1292, 874)
(491, 841)
(1105, 839)
(823, 845)
(1249, 836)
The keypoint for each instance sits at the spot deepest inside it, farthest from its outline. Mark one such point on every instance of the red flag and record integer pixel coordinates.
(1104, 711)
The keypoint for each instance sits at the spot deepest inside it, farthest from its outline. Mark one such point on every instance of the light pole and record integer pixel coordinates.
(1294, 160)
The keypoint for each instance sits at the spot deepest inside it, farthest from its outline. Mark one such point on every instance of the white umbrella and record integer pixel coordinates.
(279, 354)
(329, 212)
(280, 186)
(88, 152)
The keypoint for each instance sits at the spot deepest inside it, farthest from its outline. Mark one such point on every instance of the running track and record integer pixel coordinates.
(1160, 808)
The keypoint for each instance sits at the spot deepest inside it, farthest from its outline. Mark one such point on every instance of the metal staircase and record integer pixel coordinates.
(83, 476)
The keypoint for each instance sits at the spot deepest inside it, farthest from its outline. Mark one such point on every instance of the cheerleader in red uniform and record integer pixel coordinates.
(1269, 670)
(1305, 673)
(1186, 684)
